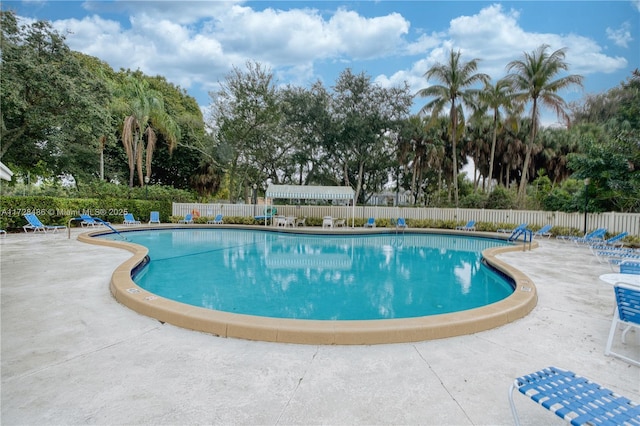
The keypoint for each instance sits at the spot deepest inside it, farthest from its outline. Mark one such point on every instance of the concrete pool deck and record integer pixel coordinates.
(71, 354)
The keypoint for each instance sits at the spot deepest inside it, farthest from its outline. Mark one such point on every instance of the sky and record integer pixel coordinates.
(195, 44)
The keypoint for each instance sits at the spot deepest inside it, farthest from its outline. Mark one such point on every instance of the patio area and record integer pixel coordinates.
(71, 354)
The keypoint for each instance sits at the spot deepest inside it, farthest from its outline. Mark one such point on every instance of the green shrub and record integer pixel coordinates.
(58, 211)
(501, 198)
(474, 201)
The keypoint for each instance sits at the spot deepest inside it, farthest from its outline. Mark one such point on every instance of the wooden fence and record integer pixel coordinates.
(613, 221)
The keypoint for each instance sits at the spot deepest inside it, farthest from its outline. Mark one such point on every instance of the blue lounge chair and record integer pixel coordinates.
(87, 220)
(154, 217)
(401, 223)
(617, 259)
(371, 223)
(35, 225)
(543, 232)
(130, 220)
(511, 231)
(587, 236)
(627, 313)
(630, 267)
(574, 398)
(613, 255)
(216, 220)
(616, 240)
(470, 226)
(187, 219)
(593, 237)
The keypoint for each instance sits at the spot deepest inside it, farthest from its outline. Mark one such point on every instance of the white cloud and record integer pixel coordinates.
(181, 12)
(365, 38)
(199, 42)
(622, 36)
(495, 37)
(424, 43)
(195, 43)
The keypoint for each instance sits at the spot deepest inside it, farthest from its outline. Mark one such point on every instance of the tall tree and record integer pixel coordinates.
(144, 118)
(245, 118)
(53, 108)
(495, 97)
(534, 80)
(307, 120)
(367, 118)
(456, 78)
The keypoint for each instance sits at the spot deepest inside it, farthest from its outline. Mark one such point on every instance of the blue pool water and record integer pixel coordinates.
(323, 277)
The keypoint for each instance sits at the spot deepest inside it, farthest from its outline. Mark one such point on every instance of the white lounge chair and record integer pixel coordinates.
(327, 222)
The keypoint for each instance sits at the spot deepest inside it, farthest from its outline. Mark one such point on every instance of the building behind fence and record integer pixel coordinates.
(614, 222)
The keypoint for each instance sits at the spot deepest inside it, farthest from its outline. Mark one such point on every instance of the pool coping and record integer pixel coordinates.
(354, 332)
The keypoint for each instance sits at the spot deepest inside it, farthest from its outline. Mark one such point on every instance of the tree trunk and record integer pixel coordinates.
(493, 147)
(454, 123)
(527, 158)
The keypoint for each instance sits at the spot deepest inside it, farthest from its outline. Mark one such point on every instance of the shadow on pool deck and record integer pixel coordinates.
(72, 354)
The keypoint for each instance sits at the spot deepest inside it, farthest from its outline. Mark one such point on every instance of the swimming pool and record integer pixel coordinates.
(295, 264)
(320, 277)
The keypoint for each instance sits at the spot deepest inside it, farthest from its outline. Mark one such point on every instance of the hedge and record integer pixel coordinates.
(58, 211)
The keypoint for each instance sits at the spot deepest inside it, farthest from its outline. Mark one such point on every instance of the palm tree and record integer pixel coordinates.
(455, 77)
(533, 80)
(478, 146)
(145, 118)
(419, 150)
(496, 97)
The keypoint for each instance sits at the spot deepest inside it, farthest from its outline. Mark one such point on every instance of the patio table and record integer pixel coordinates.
(621, 278)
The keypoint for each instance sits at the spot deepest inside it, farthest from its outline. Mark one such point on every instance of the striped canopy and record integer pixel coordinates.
(5, 173)
(311, 192)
